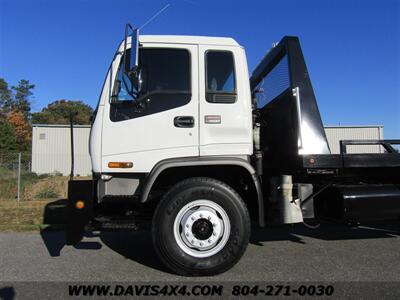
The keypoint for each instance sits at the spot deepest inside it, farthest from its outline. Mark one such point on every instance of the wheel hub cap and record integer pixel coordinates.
(202, 229)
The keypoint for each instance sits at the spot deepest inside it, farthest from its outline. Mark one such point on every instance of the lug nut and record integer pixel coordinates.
(209, 218)
(201, 244)
(214, 224)
(192, 241)
(192, 218)
(201, 215)
(209, 241)
(187, 225)
(214, 233)
(187, 233)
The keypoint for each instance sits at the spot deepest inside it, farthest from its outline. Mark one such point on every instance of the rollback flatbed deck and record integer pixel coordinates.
(293, 141)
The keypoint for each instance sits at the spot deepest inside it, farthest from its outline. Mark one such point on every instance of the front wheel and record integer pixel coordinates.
(200, 227)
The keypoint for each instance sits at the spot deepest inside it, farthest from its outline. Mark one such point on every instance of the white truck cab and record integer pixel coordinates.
(195, 101)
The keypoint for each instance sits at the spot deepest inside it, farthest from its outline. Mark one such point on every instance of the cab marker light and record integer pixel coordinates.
(118, 164)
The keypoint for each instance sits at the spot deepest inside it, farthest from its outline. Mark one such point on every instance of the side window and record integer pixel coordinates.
(163, 82)
(165, 70)
(220, 77)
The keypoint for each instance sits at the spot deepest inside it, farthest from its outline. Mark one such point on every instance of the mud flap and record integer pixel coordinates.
(79, 209)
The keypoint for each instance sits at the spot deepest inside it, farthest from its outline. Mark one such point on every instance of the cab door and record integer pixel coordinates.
(160, 121)
(225, 101)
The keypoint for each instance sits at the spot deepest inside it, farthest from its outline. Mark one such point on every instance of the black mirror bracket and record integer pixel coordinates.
(133, 61)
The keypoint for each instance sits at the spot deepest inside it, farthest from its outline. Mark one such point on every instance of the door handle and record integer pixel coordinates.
(184, 121)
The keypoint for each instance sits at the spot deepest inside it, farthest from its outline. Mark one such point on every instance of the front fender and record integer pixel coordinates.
(204, 161)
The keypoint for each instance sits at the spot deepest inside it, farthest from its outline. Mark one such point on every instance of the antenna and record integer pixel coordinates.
(155, 15)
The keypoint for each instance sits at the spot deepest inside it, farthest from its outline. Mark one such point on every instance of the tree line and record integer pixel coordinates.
(16, 118)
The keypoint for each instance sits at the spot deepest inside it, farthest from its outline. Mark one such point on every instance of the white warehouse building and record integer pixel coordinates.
(51, 149)
(335, 134)
(51, 146)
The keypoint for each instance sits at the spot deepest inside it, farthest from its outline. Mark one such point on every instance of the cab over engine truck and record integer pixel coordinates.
(185, 143)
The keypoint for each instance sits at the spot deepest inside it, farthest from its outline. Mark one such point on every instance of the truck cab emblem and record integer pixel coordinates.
(212, 119)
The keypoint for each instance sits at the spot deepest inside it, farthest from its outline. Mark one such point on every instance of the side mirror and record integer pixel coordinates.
(139, 80)
(136, 81)
(116, 90)
(131, 63)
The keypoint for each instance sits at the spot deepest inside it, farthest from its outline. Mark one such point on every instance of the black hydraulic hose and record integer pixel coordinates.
(315, 194)
(311, 226)
(307, 199)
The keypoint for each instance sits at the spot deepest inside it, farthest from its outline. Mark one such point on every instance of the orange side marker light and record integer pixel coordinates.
(79, 204)
(119, 164)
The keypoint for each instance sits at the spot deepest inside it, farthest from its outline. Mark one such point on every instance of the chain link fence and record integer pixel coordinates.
(13, 166)
(18, 182)
(39, 176)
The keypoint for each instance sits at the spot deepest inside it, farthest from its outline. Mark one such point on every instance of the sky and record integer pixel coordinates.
(352, 48)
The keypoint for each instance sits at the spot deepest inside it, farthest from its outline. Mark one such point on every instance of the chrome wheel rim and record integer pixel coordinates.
(201, 228)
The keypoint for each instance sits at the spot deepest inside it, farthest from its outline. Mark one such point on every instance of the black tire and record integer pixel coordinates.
(174, 200)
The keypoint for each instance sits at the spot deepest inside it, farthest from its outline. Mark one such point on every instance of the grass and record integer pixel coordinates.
(38, 194)
(33, 186)
(9, 182)
(17, 216)
(32, 215)
(46, 194)
(40, 203)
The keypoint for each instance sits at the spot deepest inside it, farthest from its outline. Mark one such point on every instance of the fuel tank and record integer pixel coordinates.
(359, 202)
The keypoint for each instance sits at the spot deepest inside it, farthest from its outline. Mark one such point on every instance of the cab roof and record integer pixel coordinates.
(187, 39)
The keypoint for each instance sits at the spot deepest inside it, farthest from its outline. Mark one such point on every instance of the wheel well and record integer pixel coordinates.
(235, 176)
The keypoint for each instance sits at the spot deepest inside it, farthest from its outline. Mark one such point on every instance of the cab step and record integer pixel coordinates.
(110, 223)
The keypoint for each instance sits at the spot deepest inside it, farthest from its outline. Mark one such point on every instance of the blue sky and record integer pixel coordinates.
(352, 48)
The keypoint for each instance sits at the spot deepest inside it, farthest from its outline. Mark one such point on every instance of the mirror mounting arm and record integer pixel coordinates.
(133, 62)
